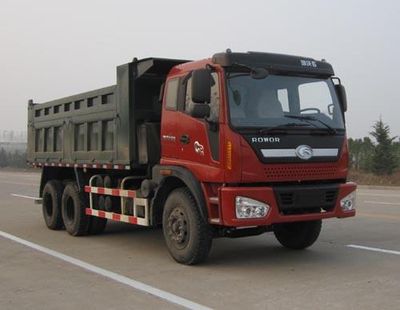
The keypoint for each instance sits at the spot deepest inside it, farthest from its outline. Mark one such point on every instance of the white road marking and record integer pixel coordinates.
(373, 249)
(109, 274)
(382, 203)
(24, 196)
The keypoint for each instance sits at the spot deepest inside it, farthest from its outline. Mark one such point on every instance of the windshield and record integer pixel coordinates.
(283, 101)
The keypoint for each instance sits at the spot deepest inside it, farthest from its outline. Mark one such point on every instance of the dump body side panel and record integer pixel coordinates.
(105, 126)
(75, 129)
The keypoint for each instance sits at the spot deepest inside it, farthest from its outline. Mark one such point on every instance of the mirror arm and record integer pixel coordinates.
(211, 67)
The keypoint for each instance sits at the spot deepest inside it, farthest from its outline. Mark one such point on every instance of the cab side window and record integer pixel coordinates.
(215, 98)
(171, 99)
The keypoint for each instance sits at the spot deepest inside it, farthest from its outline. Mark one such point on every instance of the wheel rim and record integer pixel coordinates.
(70, 210)
(48, 205)
(178, 228)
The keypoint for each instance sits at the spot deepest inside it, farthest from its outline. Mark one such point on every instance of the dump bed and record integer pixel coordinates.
(108, 127)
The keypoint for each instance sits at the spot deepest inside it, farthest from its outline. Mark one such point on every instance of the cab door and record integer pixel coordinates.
(170, 120)
(199, 139)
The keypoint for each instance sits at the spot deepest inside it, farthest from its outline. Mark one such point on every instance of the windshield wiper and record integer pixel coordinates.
(236, 64)
(281, 127)
(330, 129)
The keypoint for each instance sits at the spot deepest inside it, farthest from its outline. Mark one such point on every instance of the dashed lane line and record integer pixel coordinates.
(36, 200)
(367, 248)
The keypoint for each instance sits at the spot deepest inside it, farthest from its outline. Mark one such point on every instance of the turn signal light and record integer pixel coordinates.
(228, 155)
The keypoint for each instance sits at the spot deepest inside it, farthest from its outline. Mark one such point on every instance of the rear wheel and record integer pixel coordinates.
(298, 235)
(51, 204)
(187, 235)
(73, 211)
(96, 224)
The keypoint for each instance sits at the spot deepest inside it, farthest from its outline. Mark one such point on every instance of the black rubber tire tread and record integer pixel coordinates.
(79, 226)
(54, 189)
(96, 225)
(200, 241)
(298, 235)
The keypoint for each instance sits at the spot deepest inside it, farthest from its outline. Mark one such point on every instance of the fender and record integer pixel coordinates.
(62, 174)
(177, 177)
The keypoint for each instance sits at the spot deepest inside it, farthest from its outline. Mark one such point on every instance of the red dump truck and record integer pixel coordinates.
(231, 146)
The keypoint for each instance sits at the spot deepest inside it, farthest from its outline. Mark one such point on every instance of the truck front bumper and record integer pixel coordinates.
(267, 195)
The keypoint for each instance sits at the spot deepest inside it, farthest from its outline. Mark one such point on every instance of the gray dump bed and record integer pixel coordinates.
(108, 126)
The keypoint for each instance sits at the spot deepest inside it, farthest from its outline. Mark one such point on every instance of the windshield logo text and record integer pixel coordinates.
(308, 63)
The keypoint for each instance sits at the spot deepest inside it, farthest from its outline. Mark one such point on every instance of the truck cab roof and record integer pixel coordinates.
(280, 63)
(275, 63)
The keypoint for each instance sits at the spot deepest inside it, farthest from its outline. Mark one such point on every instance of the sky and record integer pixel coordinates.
(51, 49)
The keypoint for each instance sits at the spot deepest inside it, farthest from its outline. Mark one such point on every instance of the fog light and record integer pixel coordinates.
(250, 208)
(348, 203)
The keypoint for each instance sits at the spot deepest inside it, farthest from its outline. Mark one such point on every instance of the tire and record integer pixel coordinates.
(298, 235)
(76, 221)
(51, 204)
(96, 225)
(187, 236)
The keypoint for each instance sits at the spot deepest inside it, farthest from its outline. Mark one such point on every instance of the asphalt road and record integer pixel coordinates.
(251, 273)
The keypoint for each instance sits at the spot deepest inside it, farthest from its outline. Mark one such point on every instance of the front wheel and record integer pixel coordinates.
(298, 235)
(187, 235)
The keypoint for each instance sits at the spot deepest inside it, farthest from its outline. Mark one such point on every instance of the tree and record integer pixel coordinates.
(367, 154)
(355, 152)
(361, 151)
(396, 146)
(384, 160)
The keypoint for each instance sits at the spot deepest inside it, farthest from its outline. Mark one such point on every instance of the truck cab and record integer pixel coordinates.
(266, 138)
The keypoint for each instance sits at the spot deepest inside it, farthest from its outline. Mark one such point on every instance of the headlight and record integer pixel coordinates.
(250, 208)
(348, 203)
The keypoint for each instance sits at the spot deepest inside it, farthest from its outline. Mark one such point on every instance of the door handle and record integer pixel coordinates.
(185, 139)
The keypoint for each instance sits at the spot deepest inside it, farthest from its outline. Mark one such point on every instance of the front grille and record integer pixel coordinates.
(286, 198)
(306, 198)
(330, 196)
(295, 172)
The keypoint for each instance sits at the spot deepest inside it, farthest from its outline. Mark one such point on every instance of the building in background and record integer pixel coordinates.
(13, 140)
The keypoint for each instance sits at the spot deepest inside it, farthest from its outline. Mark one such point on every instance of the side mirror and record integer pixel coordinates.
(341, 93)
(201, 86)
(199, 110)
